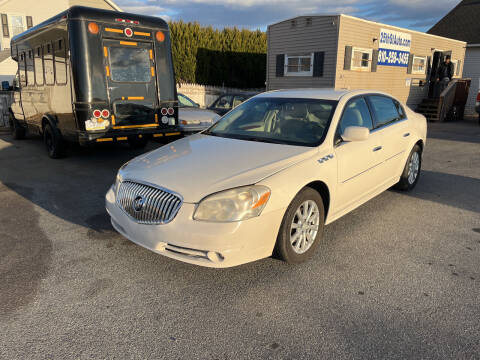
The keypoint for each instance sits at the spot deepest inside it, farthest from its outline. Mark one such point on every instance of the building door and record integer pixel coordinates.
(131, 80)
(436, 61)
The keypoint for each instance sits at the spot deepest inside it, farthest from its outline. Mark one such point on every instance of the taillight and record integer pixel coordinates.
(164, 111)
(105, 113)
(171, 111)
(128, 32)
(478, 96)
(160, 36)
(93, 28)
(97, 113)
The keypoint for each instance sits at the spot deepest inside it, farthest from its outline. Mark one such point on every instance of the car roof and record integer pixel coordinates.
(321, 94)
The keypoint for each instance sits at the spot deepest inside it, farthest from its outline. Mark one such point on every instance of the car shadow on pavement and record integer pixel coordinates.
(462, 192)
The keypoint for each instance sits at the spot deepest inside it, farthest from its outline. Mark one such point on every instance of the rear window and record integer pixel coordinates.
(133, 109)
(129, 64)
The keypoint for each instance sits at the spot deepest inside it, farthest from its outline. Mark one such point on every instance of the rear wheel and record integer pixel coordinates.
(302, 227)
(411, 172)
(18, 131)
(54, 142)
(137, 143)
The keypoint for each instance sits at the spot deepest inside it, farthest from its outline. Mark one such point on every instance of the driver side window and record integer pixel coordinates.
(356, 113)
(224, 102)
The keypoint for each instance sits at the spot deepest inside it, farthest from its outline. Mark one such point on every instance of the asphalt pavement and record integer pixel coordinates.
(398, 277)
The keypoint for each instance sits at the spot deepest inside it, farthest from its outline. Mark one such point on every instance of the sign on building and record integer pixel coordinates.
(394, 48)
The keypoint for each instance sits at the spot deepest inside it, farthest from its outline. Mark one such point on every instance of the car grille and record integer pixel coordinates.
(147, 204)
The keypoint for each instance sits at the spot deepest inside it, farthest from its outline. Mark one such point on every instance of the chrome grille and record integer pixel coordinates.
(147, 204)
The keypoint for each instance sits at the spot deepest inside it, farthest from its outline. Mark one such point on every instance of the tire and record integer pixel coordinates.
(56, 147)
(18, 131)
(411, 171)
(137, 143)
(295, 249)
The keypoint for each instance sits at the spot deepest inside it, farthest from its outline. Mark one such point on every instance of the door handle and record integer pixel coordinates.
(377, 148)
(406, 134)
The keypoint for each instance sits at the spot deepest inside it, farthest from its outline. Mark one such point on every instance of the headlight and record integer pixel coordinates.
(118, 180)
(233, 205)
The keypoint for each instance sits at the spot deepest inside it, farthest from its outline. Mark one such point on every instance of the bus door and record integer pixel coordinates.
(131, 79)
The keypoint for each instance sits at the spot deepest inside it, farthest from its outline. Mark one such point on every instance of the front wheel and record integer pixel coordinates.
(302, 227)
(411, 172)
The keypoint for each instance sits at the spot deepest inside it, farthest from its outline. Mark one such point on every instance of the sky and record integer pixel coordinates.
(257, 14)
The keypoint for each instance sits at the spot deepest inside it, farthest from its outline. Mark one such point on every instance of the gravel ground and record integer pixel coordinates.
(397, 278)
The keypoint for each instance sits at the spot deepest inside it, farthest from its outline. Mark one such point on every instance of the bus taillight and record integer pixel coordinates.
(171, 111)
(164, 111)
(97, 113)
(105, 113)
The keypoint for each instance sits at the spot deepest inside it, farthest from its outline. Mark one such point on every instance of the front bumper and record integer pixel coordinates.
(217, 245)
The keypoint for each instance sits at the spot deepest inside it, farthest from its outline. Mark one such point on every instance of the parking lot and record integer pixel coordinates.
(397, 278)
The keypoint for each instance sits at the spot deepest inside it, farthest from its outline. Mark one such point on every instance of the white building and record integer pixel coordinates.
(16, 16)
(463, 23)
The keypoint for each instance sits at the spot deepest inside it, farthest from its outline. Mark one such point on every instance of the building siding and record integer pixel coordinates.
(360, 33)
(472, 71)
(321, 35)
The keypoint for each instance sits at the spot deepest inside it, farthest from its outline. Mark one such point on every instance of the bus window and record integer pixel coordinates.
(48, 69)
(30, 68)
(38, 66)
(60, 62)
(22, 69)
(130, 64)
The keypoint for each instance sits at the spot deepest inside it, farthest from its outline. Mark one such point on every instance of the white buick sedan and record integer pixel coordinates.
(268, 176)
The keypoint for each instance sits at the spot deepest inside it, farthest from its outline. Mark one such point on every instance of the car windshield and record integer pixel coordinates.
(301, 122)
(184, 101)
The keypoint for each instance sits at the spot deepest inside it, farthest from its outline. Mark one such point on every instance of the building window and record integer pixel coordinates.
(16, 22)
(361, 59)
(6, 31)
(419, 64)
(299, 65)
(455, 67)
(29, 22)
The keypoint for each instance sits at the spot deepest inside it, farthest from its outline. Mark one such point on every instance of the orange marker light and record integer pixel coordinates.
(263, 199)
(93, 28)
(160, 36)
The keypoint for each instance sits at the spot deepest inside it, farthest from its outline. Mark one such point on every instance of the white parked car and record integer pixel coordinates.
(192, 118)
(268, 176)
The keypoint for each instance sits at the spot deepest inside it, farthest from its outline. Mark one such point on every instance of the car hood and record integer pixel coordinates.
(200, 165)
(196, 115)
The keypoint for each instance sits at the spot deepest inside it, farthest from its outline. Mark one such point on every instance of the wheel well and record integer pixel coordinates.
(322, 189)
(420, 143)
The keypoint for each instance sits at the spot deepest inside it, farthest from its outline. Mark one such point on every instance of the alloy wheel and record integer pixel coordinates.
(413, 168)
(304, 227)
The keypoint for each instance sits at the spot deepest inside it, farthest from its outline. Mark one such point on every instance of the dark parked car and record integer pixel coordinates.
(227, 102)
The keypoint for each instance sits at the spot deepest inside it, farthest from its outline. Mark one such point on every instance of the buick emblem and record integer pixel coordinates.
(138, 203)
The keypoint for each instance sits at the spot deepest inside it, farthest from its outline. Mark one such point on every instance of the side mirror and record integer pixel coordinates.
(355, 133)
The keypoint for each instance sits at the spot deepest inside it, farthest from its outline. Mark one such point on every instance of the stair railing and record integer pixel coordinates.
(447, 99)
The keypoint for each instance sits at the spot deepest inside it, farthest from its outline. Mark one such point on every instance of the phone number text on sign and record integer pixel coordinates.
(393, 57)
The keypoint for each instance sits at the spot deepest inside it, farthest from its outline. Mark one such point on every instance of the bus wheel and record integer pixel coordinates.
(53, 141)
(137, 143)
(18, 131)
